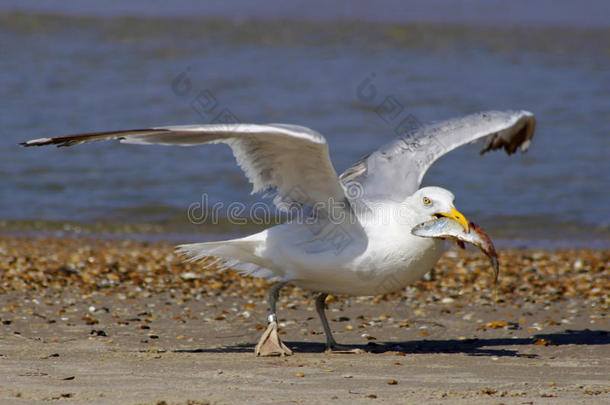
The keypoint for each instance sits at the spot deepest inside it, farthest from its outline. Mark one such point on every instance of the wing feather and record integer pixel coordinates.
(395, 171)
(292, 160)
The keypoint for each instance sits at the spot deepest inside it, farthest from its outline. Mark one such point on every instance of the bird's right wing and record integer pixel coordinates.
(289, 159)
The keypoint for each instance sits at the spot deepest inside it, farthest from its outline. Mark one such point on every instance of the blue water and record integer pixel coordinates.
(82, 69)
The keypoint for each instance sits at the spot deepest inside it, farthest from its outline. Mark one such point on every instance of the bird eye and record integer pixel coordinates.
(427, 201)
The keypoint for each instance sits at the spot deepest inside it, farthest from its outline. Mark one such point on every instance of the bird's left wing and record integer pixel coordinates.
(290, 159)
(396, 170)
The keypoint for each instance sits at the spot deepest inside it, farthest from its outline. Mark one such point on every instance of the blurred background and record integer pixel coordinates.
(75, 66)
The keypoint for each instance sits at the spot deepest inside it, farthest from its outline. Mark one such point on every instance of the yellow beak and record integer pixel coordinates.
(458, 216)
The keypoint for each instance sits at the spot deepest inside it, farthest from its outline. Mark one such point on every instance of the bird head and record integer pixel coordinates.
(436, 202)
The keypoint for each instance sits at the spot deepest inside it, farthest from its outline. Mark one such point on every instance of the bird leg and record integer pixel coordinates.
(331, 344)
(270, 343)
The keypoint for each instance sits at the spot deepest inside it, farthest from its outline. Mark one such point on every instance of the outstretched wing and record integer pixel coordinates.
(396, 170)
(289, 159)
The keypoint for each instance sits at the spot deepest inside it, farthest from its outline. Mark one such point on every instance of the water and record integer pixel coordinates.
(87, 69)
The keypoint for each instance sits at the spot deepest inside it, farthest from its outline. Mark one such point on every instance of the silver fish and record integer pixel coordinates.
(448, 228)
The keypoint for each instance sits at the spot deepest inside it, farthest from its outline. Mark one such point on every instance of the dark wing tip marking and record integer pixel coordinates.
(70, 140)
(521, 138)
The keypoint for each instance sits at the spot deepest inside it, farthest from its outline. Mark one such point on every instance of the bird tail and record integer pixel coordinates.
(239, 254)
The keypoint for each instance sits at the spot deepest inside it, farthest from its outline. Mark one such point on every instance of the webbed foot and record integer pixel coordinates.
(270, 343)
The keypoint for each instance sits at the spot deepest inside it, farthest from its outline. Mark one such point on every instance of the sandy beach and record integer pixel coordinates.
(97, 308)
(125, 322)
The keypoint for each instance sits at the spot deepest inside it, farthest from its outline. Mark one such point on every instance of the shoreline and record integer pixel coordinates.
(124, 321)
(145, 232)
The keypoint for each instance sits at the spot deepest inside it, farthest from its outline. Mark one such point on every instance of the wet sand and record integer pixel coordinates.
(125, 322)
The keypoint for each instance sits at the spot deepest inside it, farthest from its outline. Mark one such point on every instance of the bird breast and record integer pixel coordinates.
(385, 266)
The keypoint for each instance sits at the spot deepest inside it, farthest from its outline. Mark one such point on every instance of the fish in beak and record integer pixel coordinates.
(456, 216)
(450, 227)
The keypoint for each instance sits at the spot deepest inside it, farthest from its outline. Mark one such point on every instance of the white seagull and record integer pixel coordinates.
(350, 234)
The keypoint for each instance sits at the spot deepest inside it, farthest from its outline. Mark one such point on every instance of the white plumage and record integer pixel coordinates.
(353, 236)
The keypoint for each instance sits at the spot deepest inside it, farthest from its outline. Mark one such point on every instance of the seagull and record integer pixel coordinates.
(346, 234)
